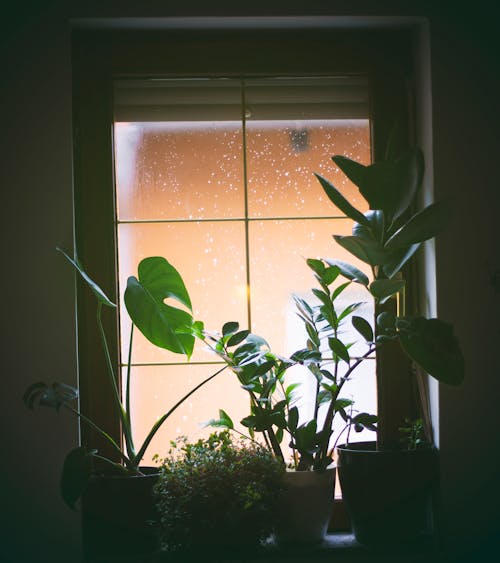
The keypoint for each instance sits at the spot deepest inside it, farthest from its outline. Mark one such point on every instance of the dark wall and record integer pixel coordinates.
(37, 287)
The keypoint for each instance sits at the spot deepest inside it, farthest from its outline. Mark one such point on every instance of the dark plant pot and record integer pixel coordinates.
(389, 494)
(306, 506)
(119, 517)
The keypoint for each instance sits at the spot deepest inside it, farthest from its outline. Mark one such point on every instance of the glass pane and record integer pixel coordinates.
(156, 389)
(278, 253)
(210, 256)
(180, 170)
(282, 159)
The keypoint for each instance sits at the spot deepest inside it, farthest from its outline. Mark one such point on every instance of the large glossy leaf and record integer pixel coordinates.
(398, 258)
(432, 344)
(163, 325)
(96, 290)
(422, 226)
(75, 475)
(383, 289)
(349, 271)
(162, 280)
(388, 185)
(369, 251)
(375, 230)
(341, 202)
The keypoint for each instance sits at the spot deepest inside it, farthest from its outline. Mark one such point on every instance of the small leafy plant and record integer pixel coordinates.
(217, 492)
(162, 324)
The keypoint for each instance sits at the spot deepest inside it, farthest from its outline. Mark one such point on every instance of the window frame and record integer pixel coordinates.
(101, 56)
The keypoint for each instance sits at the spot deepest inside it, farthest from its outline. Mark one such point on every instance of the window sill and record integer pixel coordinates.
(340, 545)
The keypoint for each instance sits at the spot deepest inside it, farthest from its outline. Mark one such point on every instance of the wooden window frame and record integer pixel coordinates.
(101, 56)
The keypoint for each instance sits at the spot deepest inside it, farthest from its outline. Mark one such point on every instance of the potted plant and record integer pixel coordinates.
(117, 500)
(387, 489)
(217, 494)
(309, 483)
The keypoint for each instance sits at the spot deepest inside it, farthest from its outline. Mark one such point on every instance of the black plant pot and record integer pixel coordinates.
(119, 517)
(390, 495)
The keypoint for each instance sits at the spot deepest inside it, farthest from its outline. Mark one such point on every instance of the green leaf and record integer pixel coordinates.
(230, 328)
(382, 290)
(397, 259)
(161, 324)
(363, 327)
(432, 344)
(355, 171)
(238, 337)
(338, 290)
(348, 310)
(293, 419)
(424, 225)
(75, 475)
(162, 280)
(317, 266)
(369, 251)
(290, 389)
(375, 230)
(341, 202)
(224, 421)
(330, 275)
(54, 396)
(349, 271)
(343, 403)
(96, 290)
(388, 185)
(339, 348)
(386, 320)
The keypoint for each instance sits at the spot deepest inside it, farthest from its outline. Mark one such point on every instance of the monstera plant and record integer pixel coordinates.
(385, 238)
(164, 325)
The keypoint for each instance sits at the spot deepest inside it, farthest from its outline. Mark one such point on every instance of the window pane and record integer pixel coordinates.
(217, 176)
(278, 253)
(180, 170)
(156, 389)
(210, 257)
(282, 159)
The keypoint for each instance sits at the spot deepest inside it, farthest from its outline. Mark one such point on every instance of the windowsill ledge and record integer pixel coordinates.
(340, 545)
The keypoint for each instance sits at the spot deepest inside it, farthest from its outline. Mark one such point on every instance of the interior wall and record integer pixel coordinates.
(37, 286)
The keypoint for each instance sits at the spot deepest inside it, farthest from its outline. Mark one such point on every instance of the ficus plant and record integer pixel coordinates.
(274, 413)
(164, 325)
(385, 238)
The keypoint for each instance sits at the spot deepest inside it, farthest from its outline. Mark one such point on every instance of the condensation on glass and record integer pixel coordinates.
(217, 176)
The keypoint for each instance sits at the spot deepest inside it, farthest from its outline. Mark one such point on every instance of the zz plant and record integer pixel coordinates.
(162, 324)
(274, 412)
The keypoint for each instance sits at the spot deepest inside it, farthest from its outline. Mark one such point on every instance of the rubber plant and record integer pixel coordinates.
(385, 238)
(164, 325)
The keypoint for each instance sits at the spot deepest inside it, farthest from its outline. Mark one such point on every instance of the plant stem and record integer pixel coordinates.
(100, 431)
(131, 451)
(160, 421)
(112, 378)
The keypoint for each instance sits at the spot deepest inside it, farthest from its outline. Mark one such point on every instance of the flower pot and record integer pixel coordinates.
(118, 517)
(389, 494)
(306, 506)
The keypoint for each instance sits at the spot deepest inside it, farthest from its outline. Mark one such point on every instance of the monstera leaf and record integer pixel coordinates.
(165, 326)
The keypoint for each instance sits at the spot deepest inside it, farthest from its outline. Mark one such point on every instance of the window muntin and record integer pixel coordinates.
(225, 190)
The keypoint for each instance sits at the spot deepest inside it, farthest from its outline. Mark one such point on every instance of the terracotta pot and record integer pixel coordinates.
(389, 494)
(306, 506)
(119, 516)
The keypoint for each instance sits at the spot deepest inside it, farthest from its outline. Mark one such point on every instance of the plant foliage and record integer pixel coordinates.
(216, 492)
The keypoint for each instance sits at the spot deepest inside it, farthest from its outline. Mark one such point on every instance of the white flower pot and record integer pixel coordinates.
(306, 506)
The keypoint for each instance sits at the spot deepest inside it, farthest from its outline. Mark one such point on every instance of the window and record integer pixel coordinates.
(217, 176)
(131, 68)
